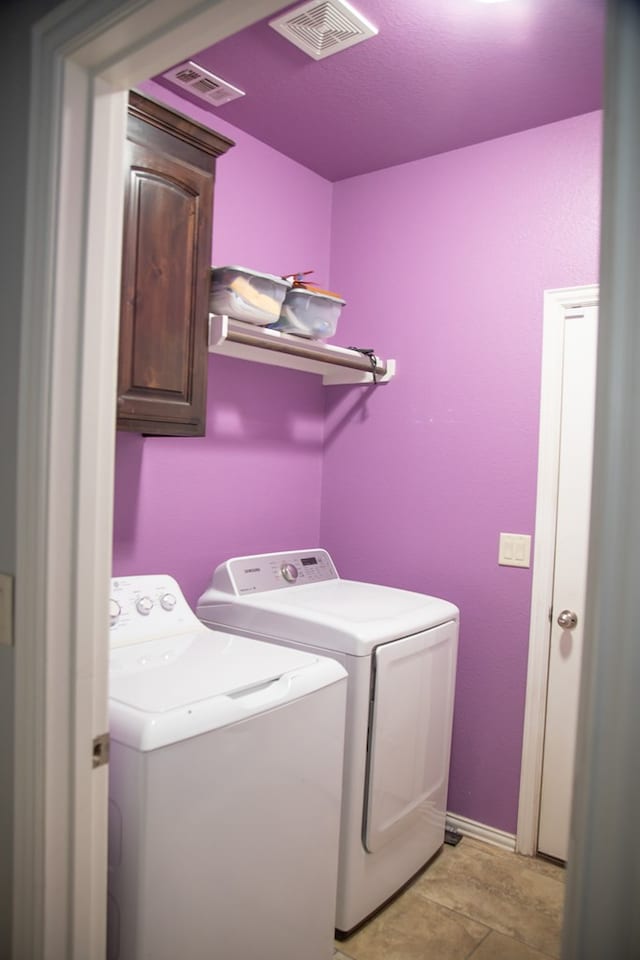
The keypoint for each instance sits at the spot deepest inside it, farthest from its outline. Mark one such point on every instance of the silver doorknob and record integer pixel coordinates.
(567, 619)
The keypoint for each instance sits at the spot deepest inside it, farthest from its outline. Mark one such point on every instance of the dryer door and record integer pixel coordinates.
(410, 735)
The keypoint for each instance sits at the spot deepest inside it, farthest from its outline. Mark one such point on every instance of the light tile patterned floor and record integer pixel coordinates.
(474, 901)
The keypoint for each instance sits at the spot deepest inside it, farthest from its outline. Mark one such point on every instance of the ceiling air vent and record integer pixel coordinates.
(198, 81)
(321, 29)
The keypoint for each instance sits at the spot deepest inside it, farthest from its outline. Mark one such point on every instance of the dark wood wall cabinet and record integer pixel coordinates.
(166, 264)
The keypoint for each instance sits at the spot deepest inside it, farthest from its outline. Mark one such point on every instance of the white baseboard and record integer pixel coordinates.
(480, 831)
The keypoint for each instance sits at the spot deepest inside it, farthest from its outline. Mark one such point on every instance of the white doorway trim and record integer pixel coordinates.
(556, 304)
(603, 886)
(85, 55)
(603, 883)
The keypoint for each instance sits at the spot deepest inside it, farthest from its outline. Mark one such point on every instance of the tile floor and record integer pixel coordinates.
(474, 901)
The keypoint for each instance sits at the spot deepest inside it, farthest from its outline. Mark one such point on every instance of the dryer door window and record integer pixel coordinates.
(410, 735)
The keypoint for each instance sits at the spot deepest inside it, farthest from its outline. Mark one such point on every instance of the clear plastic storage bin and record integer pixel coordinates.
(246, 294)
(309, 314)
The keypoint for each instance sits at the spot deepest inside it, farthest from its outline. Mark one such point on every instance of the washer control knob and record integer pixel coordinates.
(168, 601)
(144, 605)
(114, 611)
(289, 571)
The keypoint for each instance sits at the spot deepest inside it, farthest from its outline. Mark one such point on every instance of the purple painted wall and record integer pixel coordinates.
(253, 483)
(443, 263)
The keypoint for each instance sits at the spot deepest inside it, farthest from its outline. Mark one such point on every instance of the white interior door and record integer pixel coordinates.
(570, 575)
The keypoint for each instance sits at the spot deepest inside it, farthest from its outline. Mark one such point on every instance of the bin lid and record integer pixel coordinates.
(322, 294)
(254, 273)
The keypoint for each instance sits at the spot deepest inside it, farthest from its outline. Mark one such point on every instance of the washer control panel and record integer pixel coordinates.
(147, 607)
(274, 571)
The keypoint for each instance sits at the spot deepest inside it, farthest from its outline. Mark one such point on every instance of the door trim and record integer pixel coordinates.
(84, 55)
(556, 304)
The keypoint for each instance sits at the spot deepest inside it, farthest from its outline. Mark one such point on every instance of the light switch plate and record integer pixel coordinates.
(515, 550)
(6, 610)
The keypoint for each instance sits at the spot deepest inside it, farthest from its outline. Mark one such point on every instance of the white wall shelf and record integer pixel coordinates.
(336, 365)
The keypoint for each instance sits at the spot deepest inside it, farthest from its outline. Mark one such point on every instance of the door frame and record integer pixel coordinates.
(57, 599)
(85, 55)
(557, 304)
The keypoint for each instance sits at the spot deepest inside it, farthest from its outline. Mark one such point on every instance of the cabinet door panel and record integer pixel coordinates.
(165, 273)
(166, 262)
(165, 270)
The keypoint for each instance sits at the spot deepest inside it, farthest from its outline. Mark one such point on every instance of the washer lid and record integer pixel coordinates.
(170, 689)
(163, 674)
(341, 615)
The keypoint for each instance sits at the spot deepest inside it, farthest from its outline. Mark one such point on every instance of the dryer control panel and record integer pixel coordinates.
(273, 571)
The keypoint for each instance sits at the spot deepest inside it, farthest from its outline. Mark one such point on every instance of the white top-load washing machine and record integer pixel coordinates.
(224, 787)
(399, 649)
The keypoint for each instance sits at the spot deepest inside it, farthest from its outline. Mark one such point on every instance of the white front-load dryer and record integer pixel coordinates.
(399, 649)
(224, 787)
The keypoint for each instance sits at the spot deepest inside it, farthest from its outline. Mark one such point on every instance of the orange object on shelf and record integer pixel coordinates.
(297, 281)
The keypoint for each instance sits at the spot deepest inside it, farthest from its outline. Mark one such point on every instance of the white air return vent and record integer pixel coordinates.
(321, 29)
(198, 81)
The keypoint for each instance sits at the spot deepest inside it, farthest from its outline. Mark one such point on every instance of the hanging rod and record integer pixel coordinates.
(337, 365)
